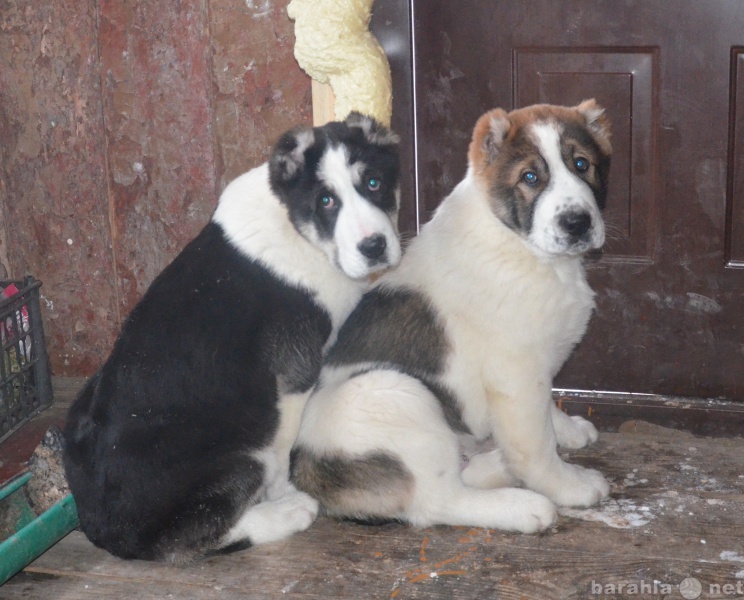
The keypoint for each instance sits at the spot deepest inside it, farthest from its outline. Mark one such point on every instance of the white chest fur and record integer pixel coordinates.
(505, 308)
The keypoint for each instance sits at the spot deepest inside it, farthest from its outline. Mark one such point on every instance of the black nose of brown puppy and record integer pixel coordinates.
(575, 223)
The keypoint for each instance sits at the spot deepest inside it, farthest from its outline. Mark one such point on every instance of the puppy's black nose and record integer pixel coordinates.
(575, 223)
(373, 247)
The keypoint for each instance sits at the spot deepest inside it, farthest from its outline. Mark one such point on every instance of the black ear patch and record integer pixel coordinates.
(374, 132)
(288, 156)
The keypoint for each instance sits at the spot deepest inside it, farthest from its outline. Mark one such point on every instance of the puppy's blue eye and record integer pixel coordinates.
(327, 202)
(373, 184)
(530, 178)
(581, 164)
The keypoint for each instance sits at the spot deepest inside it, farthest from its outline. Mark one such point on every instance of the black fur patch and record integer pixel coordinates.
(291, 349)
(236, 547)
(394, 327)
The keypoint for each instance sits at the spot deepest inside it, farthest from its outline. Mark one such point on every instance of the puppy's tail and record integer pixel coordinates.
(229, 549)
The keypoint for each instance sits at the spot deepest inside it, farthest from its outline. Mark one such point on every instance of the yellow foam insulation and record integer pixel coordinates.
(334, 45)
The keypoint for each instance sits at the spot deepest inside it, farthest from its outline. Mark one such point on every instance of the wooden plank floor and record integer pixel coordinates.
(677, 511)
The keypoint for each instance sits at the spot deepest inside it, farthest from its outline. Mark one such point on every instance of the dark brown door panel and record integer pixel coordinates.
(670, 281)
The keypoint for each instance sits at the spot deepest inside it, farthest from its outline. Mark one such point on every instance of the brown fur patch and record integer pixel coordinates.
(376, 485)
(597, 122)
(501, 150)
(496, 127)
(488, 135)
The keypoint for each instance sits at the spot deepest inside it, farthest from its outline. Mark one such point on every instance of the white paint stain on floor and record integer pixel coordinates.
(619, 514)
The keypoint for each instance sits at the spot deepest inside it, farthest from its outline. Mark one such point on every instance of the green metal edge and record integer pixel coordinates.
(14, 484)
(37, 537)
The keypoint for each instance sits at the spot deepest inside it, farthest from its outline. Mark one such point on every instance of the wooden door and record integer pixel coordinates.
(670, 280)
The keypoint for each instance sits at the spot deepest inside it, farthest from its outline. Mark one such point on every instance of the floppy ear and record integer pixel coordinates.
(596, 121)
(374, 132)
(288, 155)
(488, 137)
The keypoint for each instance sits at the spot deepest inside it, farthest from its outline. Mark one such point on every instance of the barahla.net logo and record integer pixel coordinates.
(689, 588)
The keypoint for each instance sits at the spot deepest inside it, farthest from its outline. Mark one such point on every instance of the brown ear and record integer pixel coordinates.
(597, 122)
(488, 136)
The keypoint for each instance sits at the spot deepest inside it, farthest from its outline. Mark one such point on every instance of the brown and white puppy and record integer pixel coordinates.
(457, 348)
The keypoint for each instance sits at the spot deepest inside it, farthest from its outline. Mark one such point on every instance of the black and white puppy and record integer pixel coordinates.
(179, 446)
(457, 348)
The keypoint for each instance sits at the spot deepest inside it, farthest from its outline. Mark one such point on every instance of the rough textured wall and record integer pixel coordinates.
(259, 90)
(120, 122)
(54, 174)
(156, 96)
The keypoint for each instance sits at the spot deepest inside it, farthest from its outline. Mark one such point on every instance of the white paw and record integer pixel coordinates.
(579, 487)
(275, 519)
(297, 511)
(487, 471)
(575, 432)
(531, 513)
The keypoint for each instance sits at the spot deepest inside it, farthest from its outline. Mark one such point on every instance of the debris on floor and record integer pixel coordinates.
(48, 484)
(673, 524)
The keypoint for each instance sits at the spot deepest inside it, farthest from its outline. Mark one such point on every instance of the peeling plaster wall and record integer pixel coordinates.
(120, 123)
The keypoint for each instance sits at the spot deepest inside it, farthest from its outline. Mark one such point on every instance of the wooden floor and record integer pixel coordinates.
(676, 512)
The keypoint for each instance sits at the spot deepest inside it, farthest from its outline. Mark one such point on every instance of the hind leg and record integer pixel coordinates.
(389, 427)
(508, 509)
(284, 510)
(474, 497)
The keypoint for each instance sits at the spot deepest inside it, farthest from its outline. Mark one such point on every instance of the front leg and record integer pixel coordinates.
(276, 456)
(572, 432)
(522, 424)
